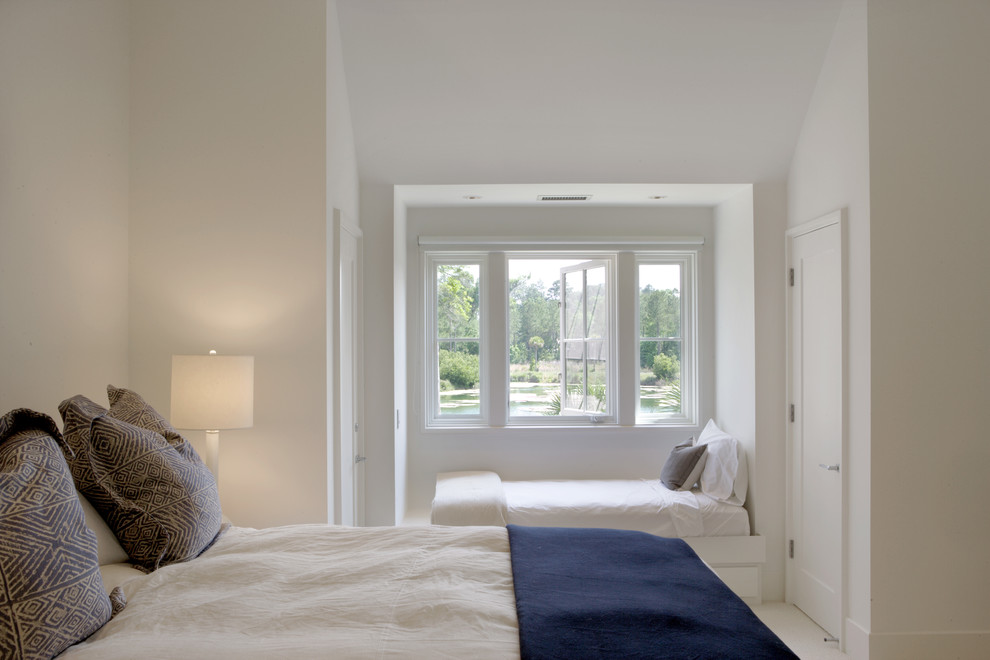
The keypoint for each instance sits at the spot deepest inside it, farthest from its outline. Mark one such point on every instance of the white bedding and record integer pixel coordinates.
(313, 591)
(474, 498)
(721, 519)
(643, 505)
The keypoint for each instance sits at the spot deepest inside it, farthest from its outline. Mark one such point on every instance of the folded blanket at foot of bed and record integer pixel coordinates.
(601, 593)
(469, 498)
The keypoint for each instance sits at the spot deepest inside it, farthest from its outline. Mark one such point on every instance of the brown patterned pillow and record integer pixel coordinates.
(51, 592)
(128, 406)
(160, 500)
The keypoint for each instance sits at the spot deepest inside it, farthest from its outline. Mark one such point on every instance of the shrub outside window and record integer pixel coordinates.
(456, 339)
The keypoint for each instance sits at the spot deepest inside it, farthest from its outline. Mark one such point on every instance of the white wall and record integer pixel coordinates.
(342, 184)
(521, 453)
(63, 201)
(929, 98)
(749, 375)
(383, 443)
(769, 222)
(831, 170)
(229, 202)
(735, 341)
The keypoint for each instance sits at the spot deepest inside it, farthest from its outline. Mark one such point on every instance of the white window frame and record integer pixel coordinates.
(608, 416)
(431, 346)
(688, 262)
(494, 323)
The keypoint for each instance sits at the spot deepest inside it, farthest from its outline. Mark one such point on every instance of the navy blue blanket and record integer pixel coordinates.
(605, 593)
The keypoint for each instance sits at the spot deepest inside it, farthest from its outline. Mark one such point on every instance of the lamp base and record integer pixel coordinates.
(213, 453)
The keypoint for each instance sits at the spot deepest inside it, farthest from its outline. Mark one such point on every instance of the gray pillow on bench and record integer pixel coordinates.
(683, 466)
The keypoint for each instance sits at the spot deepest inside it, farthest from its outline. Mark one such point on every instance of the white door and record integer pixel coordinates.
(348, 444)
(816, 384)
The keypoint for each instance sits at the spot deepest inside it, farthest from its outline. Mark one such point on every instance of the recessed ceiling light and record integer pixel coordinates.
(472, 196)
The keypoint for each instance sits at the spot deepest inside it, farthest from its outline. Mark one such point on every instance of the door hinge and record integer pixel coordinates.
(792, 412)
(790, 549)
(790, 277)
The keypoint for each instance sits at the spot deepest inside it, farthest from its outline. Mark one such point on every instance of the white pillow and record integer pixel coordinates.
(108, 548)
(725, 476)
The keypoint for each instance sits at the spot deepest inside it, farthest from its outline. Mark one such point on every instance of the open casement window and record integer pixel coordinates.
(455, 336)
(584, 340)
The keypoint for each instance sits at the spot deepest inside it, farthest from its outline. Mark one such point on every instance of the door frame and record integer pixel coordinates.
(337, 463)
(837, 217)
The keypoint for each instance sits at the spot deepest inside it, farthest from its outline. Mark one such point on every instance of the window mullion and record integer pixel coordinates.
(627, 326)
(496, 350)
(584, 335)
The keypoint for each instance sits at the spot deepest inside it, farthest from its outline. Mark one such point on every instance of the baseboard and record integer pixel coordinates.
(967, 645)
(857, 641)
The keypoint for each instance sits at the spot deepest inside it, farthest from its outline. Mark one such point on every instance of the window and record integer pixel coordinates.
(584, 337)
(664, 364)
(567, 329)
(558, 338)
(455, 339)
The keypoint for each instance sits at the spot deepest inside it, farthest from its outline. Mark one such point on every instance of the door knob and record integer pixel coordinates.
(830, 468)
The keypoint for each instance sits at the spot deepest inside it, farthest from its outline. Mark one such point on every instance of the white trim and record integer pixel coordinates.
(814, 225)
(922, 645)
(623, 321)
(856, 643)
(688, 261)
(558, 242)
(431, 412)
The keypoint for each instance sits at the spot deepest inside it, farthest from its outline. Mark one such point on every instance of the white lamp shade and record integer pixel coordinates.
(212, 392)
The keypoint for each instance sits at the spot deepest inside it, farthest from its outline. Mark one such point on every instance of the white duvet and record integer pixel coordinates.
(644, 505)
(313, 591)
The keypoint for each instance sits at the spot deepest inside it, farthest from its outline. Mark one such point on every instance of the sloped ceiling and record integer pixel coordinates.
(580, 91)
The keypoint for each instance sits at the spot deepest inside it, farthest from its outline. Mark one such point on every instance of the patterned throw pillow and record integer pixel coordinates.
(158, 497)
(51, 593)
(130, 407)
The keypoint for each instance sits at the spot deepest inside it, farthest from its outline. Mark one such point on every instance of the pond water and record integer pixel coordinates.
(532, 399)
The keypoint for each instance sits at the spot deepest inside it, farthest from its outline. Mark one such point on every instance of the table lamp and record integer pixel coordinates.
(210, 393)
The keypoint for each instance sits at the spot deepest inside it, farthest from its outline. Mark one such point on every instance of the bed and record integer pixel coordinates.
(80, 582)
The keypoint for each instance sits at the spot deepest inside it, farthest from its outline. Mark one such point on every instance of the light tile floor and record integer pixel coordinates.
(800, 633)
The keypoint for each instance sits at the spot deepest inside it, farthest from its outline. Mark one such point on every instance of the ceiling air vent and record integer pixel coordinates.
(563, 198)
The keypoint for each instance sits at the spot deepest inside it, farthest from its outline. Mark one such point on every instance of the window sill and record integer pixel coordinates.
(549, 428)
